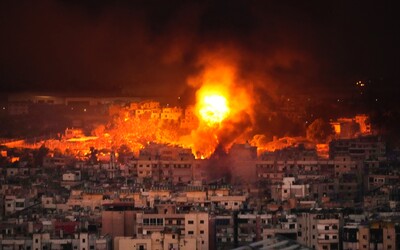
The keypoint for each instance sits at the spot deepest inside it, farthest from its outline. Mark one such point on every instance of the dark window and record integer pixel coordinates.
(222, 222)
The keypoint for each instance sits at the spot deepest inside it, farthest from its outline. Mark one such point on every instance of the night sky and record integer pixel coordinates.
(152, 47)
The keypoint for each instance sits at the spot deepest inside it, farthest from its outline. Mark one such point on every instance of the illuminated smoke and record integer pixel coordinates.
(228, 115)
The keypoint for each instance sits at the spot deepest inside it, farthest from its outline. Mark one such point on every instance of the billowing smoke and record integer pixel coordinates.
(218, 75)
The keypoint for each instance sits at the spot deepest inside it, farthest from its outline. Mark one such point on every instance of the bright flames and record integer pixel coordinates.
(213, 108)
(219, 117)
(222, 105)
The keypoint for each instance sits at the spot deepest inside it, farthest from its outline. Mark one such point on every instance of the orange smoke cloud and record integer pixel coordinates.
(223, 103)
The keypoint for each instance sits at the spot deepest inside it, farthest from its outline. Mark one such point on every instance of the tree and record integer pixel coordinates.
(320, 131)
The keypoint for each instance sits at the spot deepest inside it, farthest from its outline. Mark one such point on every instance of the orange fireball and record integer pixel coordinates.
(213, 108)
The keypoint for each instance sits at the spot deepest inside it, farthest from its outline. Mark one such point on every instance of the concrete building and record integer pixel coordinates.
(13, 204)
(363, 147)
(291, 189)
(40, 241)
(243, 168)
(119, 219)
(74, 176)
(319, 230)
(230, 202)
(369, 236)
(156, 163)
(168, 231)
(222, 233)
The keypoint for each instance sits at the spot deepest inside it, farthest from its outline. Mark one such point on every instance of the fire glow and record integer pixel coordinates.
(213, 108)
(221, 102)
(219, 117)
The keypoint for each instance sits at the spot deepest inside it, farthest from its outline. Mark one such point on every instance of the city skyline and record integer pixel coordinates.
(204, 125)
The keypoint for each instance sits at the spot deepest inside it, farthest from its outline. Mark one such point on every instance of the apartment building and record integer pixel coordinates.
(319, 230)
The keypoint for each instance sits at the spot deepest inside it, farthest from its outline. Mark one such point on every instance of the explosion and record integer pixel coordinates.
(222, 106)
(213, 108)
(220, 117)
